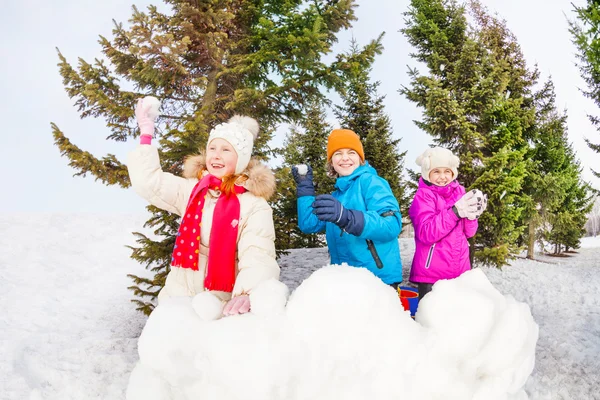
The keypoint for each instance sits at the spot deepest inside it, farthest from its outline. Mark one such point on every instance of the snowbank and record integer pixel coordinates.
(343, 334)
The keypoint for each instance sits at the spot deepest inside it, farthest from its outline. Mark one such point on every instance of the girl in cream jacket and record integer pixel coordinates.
(225, 243)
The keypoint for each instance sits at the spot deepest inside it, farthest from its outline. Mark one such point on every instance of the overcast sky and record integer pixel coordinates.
(37, 178)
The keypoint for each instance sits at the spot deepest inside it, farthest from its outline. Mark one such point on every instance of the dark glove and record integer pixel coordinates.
(304, 183)
(328, 208)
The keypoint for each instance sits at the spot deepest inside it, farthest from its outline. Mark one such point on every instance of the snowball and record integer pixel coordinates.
(153, 105)
(302, 169)
(208, 306)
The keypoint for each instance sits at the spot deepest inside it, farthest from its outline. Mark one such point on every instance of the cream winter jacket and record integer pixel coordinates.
(255, 261)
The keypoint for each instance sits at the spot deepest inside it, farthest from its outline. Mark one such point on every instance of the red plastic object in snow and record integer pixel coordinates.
(409, 297)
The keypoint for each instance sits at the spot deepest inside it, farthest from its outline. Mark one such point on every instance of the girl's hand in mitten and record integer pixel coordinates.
(146, 111)
(466, 206)
(237, 305)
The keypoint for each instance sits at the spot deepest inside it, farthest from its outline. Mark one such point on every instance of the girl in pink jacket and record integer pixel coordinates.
(444, 217)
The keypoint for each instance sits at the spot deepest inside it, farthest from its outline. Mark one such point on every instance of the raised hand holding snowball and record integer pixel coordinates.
(303, 176)
(302, 169)
(146, 112)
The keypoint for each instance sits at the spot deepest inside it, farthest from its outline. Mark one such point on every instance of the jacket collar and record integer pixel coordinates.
(343, 182)
(443, 191)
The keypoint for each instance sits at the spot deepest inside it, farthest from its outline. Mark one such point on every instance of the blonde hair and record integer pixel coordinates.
(228, 182)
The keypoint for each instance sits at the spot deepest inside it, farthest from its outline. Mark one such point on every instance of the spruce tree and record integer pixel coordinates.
(363, 112)
(304, 144)
(544, 184)
(554, 174)
(586, 37)
(205, 61)
(567, 221)
(477, 102)
(285, 215)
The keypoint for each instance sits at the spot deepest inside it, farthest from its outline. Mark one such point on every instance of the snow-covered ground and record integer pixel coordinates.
(69, 331)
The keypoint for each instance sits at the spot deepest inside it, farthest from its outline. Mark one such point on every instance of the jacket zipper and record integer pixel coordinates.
(371, 245)
(429, 256)
(373, 251)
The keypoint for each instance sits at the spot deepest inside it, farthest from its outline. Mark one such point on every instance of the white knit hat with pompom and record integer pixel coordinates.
(438, 157)
(240, 132)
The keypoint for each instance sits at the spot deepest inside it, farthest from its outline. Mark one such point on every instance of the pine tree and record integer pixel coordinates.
(205, 61)
(550, 167)
(363, 112)
(477, 102)
(567, 222)
(586, 38)
(285, 215)
(305, 144)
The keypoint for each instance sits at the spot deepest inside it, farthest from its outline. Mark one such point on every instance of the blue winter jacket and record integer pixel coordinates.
(376, 248)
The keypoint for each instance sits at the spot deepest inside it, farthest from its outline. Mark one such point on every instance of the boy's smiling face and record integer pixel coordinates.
(345, 161)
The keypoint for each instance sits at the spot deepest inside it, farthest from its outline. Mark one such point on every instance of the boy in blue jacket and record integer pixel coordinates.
(361, 219)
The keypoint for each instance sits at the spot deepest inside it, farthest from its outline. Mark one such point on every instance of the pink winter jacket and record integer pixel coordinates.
(442, 250)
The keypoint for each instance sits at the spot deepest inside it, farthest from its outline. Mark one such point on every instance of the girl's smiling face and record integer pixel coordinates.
(221, 158)
(441, 176)
(345, 161)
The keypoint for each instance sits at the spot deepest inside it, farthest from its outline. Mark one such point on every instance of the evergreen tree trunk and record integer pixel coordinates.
(531, 241)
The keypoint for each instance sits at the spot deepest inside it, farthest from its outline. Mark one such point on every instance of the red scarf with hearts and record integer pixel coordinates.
(220, 269)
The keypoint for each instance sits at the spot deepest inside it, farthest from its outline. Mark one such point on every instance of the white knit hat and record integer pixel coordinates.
(438, 157)
(240, 132)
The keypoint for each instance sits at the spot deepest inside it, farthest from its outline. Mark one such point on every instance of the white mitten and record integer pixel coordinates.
(146, 112)
(466, 206)
(481, 202)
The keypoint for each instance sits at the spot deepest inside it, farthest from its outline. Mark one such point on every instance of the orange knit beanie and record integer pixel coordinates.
(344, 139)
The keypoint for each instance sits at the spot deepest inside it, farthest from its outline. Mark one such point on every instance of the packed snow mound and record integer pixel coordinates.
(342, 334)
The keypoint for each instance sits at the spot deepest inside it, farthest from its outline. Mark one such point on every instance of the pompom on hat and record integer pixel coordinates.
(438, 157)
(344, 139)
(240, 132)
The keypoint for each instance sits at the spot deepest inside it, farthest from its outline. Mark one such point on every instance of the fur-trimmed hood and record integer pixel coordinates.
(260, 182)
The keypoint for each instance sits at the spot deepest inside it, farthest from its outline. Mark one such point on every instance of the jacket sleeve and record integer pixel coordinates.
(379, 202)
(307, 221)
(161, 189)
(256, 250)
(430, 225)
(470, 227)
